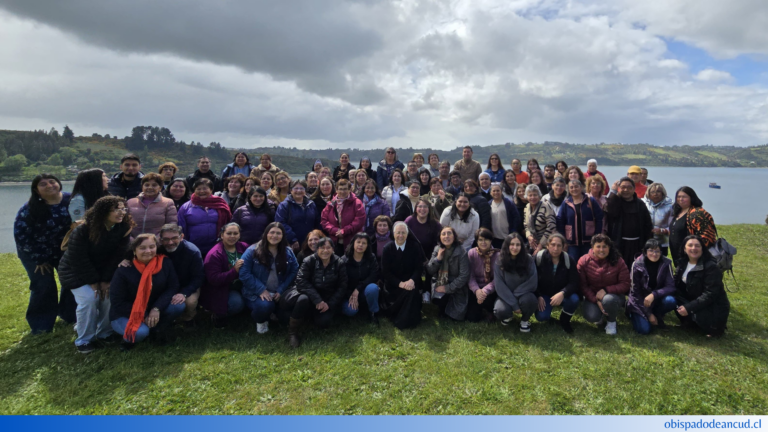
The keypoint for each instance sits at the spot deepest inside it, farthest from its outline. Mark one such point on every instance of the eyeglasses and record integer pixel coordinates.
(390, 152)
(170, 239)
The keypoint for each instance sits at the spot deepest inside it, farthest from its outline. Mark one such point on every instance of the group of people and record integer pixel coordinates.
(136, 253)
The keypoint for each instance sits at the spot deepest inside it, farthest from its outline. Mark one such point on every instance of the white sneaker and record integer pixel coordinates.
(262, 328)
(507, 321)
(610, 328)
(525, 327)
(426, 298)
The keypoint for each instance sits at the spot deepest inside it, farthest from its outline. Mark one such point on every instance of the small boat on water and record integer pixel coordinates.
(714, 186)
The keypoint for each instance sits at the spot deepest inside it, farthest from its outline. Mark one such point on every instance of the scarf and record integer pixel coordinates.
(216, 203)
(442, 274)
(556, 201)
(368, 204)
(139, 308)
(486, 257)
(381, 241)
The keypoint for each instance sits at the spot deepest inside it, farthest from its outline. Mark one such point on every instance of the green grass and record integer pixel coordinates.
(439, 368)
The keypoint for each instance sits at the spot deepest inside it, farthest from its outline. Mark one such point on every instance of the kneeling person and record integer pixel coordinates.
(362, 273)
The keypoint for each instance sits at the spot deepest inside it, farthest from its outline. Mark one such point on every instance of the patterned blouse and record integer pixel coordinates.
(41, 241)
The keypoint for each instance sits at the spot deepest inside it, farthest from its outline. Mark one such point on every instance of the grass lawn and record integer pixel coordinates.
(439, 368)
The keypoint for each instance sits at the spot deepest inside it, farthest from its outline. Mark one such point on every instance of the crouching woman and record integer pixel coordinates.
(221, 292)
(515, 280)
(140, 295)
(653, 287)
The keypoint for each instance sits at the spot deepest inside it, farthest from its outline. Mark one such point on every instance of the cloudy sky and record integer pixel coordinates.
(367, 73)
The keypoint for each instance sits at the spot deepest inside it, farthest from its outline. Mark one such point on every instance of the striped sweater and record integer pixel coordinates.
(539, 223)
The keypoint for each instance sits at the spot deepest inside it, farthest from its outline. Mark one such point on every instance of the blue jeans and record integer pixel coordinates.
(260, 309)
(371, 295)
(577, 252)
(659, 309)
(235, 303)
(569, 304)
(166, 319)
(92, 316)
(44, 302)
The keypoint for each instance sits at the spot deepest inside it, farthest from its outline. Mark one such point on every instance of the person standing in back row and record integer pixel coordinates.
(265, 166)
(127, 183)
(203, 171)
(386, 167)
(628, 221)
(592, 170)
(636, 174)
(469, 169)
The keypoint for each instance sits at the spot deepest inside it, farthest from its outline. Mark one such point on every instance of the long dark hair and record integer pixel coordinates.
(317, 194)
(454, 213)
(262, 249)
(402, 176)
(613, 253)
(167, 191)
(705, 253)
(90, 185)
(350, 252)
(264, 207)
(501, 167)
(538, 167)
(247, 160)
(39, 210)
(519, 264)
(456, 241)
(372, 182)
(695, 200)
(424, 169)
(430, 210)
(96, 217)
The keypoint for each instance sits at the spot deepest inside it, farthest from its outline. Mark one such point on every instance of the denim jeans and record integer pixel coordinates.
(167, 316)
(260, 309)
(92, 316)
(659, 308)
(569, 304)
(371, 296)
(235, 303)
(577, 252)
(44, 302)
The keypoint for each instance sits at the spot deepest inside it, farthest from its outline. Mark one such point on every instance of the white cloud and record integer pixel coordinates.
(433, 73)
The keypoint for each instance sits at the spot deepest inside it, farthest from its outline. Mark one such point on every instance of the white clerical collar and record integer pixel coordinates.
(401, 247)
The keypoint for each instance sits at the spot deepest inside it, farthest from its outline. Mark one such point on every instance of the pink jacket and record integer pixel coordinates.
(352, 218)
(149, 219)
(596, 275)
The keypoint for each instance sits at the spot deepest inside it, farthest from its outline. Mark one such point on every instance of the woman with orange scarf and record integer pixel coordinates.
(141, 294)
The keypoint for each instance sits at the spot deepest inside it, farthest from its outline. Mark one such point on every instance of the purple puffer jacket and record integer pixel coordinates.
(374, 208)
(252, 222)
(199, 226)
(665, 285)
(219, 276)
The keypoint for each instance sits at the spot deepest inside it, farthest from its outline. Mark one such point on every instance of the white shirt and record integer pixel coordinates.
(688, 268)
(401, 247)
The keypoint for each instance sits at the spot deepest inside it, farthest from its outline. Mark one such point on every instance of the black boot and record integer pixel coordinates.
(374, 318)
(565, 322)
(126, 346)
(293, 332)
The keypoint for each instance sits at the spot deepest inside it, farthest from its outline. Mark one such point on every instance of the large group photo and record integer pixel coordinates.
(445, 212)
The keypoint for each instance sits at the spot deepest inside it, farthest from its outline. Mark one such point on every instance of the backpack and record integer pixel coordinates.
(723, 253)
(565, 258)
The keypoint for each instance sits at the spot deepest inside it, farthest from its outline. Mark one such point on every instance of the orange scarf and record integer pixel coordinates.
(139, 308)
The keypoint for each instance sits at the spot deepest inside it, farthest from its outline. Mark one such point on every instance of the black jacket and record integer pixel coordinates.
(127, 190)
(86, 263)
(125, 286)
(197, 175)
(703, 287)
(397, 266)
(483, 209)
(361, 274)
(188, 263)
(403, 209)
(565, 279)
(616, 217)
(323, 284)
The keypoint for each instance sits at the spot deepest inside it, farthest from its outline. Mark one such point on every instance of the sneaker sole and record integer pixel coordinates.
(525, 330)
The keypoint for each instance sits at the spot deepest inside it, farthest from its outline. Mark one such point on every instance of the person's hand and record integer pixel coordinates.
(340, 233)
(125, 263)
(239, 263)
(648, 300)
(276, 297)
(353, 304)
(440, 289)
(440, 254)
(518, 311)
(656, 230)
(600, 294)
(96, 287)
(481, 296)
(615, 186)
(265, 295)
(47, 267)
(682, 311)
(153, 318)
(600, 305)
(556, 299)
(322, 307)
(103, 290)
(652, 319)
(178, 299)
(542, 304)
(441, 194)
(409, 285)
(295, 246)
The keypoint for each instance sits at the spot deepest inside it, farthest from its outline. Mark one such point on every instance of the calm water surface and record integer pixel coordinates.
(739, 201)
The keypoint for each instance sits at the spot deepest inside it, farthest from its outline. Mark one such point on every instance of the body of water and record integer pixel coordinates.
(734, 203)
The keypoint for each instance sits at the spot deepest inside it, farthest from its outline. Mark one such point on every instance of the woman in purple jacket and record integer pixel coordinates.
(482, 260)
(203, 216)
(653, 288)
(254, 216)
(375, 205)
(221, 292)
